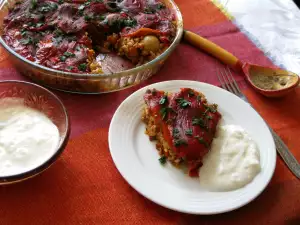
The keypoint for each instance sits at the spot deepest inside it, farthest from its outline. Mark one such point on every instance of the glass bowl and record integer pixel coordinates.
(40, 99)
(89, 83)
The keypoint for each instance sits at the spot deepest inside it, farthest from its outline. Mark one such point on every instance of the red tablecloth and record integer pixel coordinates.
(84, 187)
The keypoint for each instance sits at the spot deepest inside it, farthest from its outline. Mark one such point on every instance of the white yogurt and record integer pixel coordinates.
(27, 137)
(232, 162)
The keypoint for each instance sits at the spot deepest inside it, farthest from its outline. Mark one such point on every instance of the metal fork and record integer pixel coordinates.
(228, 83)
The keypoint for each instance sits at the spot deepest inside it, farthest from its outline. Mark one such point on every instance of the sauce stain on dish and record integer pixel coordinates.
(28, 138)
(232, 162)
(272, 82)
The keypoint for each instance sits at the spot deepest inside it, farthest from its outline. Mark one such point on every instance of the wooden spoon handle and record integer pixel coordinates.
(213, 49)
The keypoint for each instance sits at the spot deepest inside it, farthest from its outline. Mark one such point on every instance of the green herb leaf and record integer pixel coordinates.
(69, 54)
(24, 33)
(58, 32)
(211, 108)
(191, 93)
(163, 100)
(88, 17)
(163, 160)
(189, 132)
(39, 24)
(198, 98)
(209, 117)
(202, 141)
(179, 142)
(163, 113)
(81, 7)
(26, 41)
(33, 4)
(62, 58)
(175, 133)
(183, 103)
(199, 121)
(82, 67)
(130, 23)
(153, 92)
(70, 67)
(61, 1)
(148, 10)
(161, 6)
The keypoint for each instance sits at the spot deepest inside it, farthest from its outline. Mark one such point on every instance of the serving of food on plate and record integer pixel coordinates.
(76, 36)
(183, 124)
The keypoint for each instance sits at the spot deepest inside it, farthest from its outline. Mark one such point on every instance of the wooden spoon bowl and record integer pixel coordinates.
(270, 82)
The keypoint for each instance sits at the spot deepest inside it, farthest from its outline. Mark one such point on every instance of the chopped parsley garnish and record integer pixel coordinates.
(130, 23)
(202, 141)
(62, 58)
(180, 142)
(61, 1)
(82, 67)
(163, 160)
(33, 4)
(39, 24)
(28, 41)
(175, 133)
(88, 17)
(65, 56)
(191, 93)
(161, 6)
(189, 132)
(198, 98)
(212, 108)
(69, 54)
(24, 33)
(87, 2)
(163, 100)
(70, 67)
(199, 121)
(48, 7)
(58, 32)
(81, 7)
(153, 92)
(148, 10)
(164, 112)
(183, 103)
(208, 117)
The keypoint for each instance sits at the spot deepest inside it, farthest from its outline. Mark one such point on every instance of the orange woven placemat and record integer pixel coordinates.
(84, 187)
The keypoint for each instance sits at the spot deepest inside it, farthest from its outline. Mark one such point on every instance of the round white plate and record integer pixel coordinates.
(137, 158)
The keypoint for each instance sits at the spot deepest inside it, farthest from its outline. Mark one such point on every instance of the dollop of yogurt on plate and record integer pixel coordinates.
(232, 162)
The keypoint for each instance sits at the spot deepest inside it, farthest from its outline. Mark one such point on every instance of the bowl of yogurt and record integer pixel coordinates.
(34, 130)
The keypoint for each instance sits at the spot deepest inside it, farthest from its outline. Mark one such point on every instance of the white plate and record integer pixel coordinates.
(137, 158)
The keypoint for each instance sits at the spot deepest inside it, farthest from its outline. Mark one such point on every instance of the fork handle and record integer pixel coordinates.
(286, 155)
(213, 49)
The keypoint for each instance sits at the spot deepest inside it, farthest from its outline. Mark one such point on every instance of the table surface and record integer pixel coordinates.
(84, 187)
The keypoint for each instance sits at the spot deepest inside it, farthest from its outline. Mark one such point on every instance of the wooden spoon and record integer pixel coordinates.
(266, 80)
